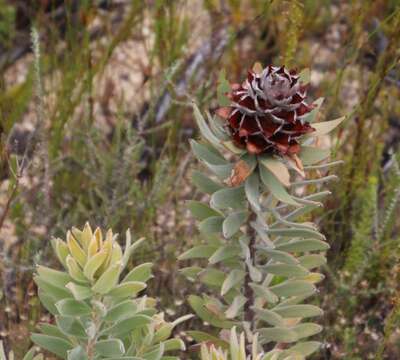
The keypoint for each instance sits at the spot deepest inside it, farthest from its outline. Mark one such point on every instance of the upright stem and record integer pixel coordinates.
(92, 342)
(248, 291)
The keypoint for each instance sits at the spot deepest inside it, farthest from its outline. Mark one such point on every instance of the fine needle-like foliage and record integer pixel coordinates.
(97, 314)
(265, 173)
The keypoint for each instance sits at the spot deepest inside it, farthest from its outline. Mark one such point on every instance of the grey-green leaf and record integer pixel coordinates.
(233, 278)
(286, 270)
(203, 153)
(125, 326)
(211, 225)
(252, 190)
(198, 252)
(301, 310)
(275, 187)
(303, 245)
(201, 211)
(141, 272)
(280, 256)
(110, 347)
(297, 232)
(72, 307)
(229, 198)
(277, 334)
(312, 261)
(292, 288)
(204, 183)
(121, 311)
(107, 280)
(77, 353)
(80, 292)
(310, 155)
(265, 293)
(204, 128)
(224, 253)
(269, 316)
(306, 348)
(53, 344)
(233, 222)
(306, 330)
(70, 326)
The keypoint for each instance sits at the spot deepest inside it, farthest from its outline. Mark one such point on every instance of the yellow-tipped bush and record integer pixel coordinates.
(97, 315)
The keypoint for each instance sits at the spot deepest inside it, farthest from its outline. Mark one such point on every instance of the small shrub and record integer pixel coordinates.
(98, 315)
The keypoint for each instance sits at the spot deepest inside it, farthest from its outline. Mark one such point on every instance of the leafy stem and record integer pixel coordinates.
(248, 291)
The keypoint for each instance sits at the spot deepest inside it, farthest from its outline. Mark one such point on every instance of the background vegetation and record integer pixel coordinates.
(96, 129)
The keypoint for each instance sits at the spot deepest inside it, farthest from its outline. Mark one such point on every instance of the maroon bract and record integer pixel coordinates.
(268, 111)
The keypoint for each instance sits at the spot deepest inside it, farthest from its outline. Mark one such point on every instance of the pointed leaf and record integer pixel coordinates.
(269, 316)
(234, 278)
(297, 232)
(141, 272)
(197, 303)
(306, 330)
(233, 222)
(325, 127)
(303, 245)
(311, 117)
(237, 305)
(278, 169)
(280, 256)
(300, 311)
(127, 289)
(203, 153)
(292, 288)
(252, 190)
(224, 253)
(107, 280)
(204, 128)
(286, 270)
(198, 252)
(264, 293)
(211, 225)
(204, 183)
(275, 187)
(310, 155)
(200, 210)
(94, 263)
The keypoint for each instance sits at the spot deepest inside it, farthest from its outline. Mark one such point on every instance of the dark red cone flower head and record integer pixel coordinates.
(268, 111)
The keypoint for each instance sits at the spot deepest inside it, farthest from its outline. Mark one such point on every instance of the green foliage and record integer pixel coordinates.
(99, 316)
(7, 22)
(361, 245)
(263, 265)
(123, 172)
